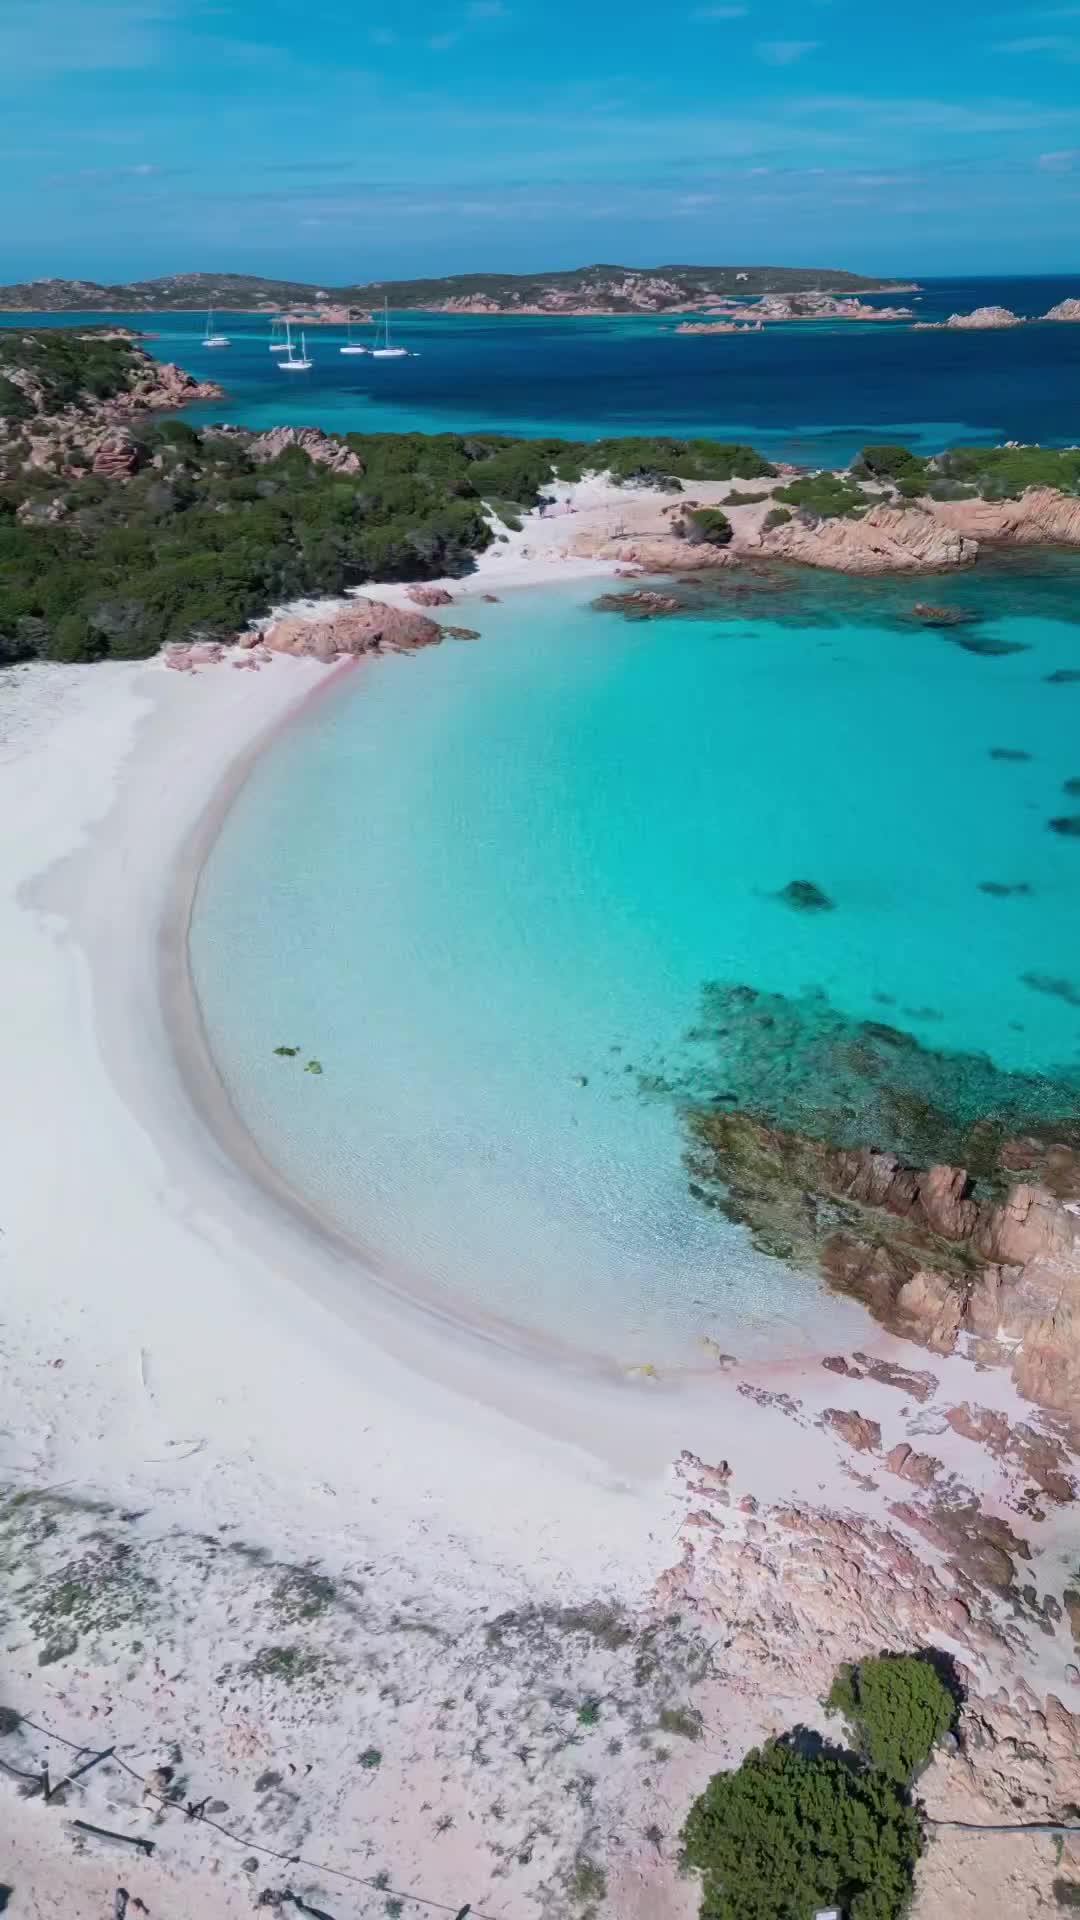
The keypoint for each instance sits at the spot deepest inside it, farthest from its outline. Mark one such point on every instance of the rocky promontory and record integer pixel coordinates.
(887, 539)
(1065, 310)
(935, 1259)
(982, 320)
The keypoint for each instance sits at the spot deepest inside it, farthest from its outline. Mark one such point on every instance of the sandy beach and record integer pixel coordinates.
(307, 1521)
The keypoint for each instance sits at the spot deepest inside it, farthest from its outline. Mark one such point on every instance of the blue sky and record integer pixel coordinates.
(356, 139)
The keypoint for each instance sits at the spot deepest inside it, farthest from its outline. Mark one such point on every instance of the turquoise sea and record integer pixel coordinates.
(484, 887)
(813, 393)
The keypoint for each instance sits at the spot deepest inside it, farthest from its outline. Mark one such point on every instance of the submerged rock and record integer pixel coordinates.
(944, 616)
(642, 603)
(1067, 824)
(1009, 753)
(1072, 787)
(1053, 984)
(1063, 677)
(987, 645)
(1001, 891)
(805, 897)
(461, 633)
(936, 1188)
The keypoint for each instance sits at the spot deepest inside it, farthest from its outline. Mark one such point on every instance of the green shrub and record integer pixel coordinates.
(897, 1708)
(905, 470)
(824, 496)
(787, 1833)
(776, 517)
(705, 526)
(1003, 473)
(737, 499)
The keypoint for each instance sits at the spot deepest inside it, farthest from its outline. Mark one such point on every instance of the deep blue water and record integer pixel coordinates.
(813, 393)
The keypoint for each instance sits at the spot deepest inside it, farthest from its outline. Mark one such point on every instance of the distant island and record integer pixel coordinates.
(578, 291)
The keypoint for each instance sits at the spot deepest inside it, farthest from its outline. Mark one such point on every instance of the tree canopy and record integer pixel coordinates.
(789, 1832)
(898, 1708)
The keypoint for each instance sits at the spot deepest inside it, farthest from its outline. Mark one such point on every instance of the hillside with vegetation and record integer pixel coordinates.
(607, 289)
(120, 533)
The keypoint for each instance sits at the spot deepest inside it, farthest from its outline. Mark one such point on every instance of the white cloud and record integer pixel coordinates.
(1061, 162)
(1054, 43)
(719, 13)
(486, 10)
(784, 53)
(382, 37)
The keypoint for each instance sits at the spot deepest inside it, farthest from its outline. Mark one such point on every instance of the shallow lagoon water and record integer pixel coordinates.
(470, 881)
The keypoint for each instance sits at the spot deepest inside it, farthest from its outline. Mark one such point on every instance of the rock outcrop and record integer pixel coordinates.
(931, 1259)
(885, 540)
(425, 596)
(981, 320)
(366, 626)
(1042, 515)
(1065, 310)
(652, 552)
(322, 448)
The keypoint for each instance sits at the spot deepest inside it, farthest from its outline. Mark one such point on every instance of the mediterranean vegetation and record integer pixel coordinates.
(803, 1825)
(897, 1708)
(201, 533)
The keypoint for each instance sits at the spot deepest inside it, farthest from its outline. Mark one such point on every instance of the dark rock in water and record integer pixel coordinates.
(1072, 787)
(461, 633)
(805, 897)
(1001, 890)
(1008, 753)
(640, 604)
(1068, 824)
(944, 616)
(1064, 677)
(1052, 984)
(984, 644)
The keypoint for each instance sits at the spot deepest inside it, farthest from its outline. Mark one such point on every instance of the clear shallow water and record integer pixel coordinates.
(467, 880)
(813, 393)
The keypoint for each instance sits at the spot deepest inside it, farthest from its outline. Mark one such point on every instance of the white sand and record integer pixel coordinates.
(177, 1341)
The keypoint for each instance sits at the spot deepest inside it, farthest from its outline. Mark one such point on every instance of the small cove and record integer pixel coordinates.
(484, 887)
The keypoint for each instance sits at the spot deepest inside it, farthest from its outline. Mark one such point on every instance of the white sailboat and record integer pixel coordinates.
(212, 339)
(276, 345)
(353, 346)
(386, 351)
(292, 364)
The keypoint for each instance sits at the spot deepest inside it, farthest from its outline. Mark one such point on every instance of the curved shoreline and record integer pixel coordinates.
(408, 1289)
(212, 1101)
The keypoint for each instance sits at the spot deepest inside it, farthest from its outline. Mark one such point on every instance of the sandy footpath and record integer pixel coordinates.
(269, 1521)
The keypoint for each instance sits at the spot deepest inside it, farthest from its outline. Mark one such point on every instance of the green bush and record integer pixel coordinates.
(898, 466)
(776, 517)
(737, 499)
(1003, 473)
(705, 526)
(787, 1833)
(824, 496)
(897, 1708)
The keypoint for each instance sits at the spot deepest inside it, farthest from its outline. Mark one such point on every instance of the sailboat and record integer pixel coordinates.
(276, 345)
(292, 364)
(353, 346)
(212, 339)
(386, 351)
